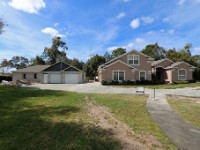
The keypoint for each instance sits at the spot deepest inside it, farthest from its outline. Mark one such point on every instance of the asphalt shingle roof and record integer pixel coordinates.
(154, 63)
(33, 69)
(176, 64)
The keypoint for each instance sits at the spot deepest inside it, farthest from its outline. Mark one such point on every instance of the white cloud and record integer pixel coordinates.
(51, 31)
(197, 49)
(181, 2)
(171, 31)
(165, 19)
(139, 40)
(29, 6)
(135, 23)
(167, 31)
(147, 20)
(130, 45)
(56, 24)
(150, 32)
(121, 15)
(162, 30)
(114, 47)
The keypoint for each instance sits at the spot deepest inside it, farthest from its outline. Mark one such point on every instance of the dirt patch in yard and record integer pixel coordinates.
(120, 131)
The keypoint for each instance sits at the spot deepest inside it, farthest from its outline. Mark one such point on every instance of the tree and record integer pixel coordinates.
(2, 24)
(154, 51)
(4, 65)
(19, 62)
(187, 48)
(91, 66)
(183, 54)
(107, 56)
(196, 59)
(117, 52)
(53, 54)
(76, 63)
(38, 60)
(172, 55)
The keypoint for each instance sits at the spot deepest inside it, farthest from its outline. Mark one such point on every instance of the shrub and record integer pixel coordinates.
(129, 82)
(158, 82)
(144, 82)
(7, 78)
(181, 82)
(191, 81)
(115, 82)
(123, 82)
(104, 82)
(109, 82)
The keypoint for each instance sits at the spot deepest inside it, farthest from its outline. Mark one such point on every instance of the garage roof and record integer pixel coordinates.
(71, 69)
(33, 69)
(57, 67)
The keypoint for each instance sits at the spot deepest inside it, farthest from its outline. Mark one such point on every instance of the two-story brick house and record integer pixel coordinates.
(135, 65)
(132, 65)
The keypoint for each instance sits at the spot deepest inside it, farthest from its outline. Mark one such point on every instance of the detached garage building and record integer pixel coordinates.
(59, 73)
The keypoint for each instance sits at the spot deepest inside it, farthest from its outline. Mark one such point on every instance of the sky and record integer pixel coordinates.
(92, 27)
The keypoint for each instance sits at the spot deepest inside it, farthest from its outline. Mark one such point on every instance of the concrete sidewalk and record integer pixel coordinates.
(181, 132)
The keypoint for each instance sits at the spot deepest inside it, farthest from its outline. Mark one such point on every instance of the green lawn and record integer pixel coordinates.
(132, 110)
(188, 108)
(161, 86)
(44, 119)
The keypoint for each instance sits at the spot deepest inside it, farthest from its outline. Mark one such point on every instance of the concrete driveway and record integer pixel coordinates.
(98, 88)
(86, 88)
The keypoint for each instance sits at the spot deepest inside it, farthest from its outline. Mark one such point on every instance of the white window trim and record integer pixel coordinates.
(133, 59)
(182, 75)
(118, 74)
(145, 74)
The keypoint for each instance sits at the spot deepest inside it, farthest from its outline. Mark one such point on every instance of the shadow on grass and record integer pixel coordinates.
(15, 93)
(33, 126)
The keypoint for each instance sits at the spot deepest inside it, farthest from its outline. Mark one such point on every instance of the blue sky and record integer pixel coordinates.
(95, 26)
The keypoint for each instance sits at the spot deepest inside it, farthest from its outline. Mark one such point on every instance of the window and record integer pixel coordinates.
(118, 75)
(121, 75)
(182, 74)
(142, 75)
(24, 76)
(133, 59)
(115, 75)
(136, 59)
(130, 59)
(35, 76)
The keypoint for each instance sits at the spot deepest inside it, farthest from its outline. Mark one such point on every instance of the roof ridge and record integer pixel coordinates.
(133, 50)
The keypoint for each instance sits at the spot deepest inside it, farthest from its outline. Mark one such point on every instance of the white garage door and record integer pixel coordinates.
(71, 78)
(55, 78)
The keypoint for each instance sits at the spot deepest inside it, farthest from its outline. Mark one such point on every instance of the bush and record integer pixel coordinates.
(144, 82)
(191, 81)
(104, 82)
(115, 82)
(181, 82)
(129, 82)
(7, 78)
